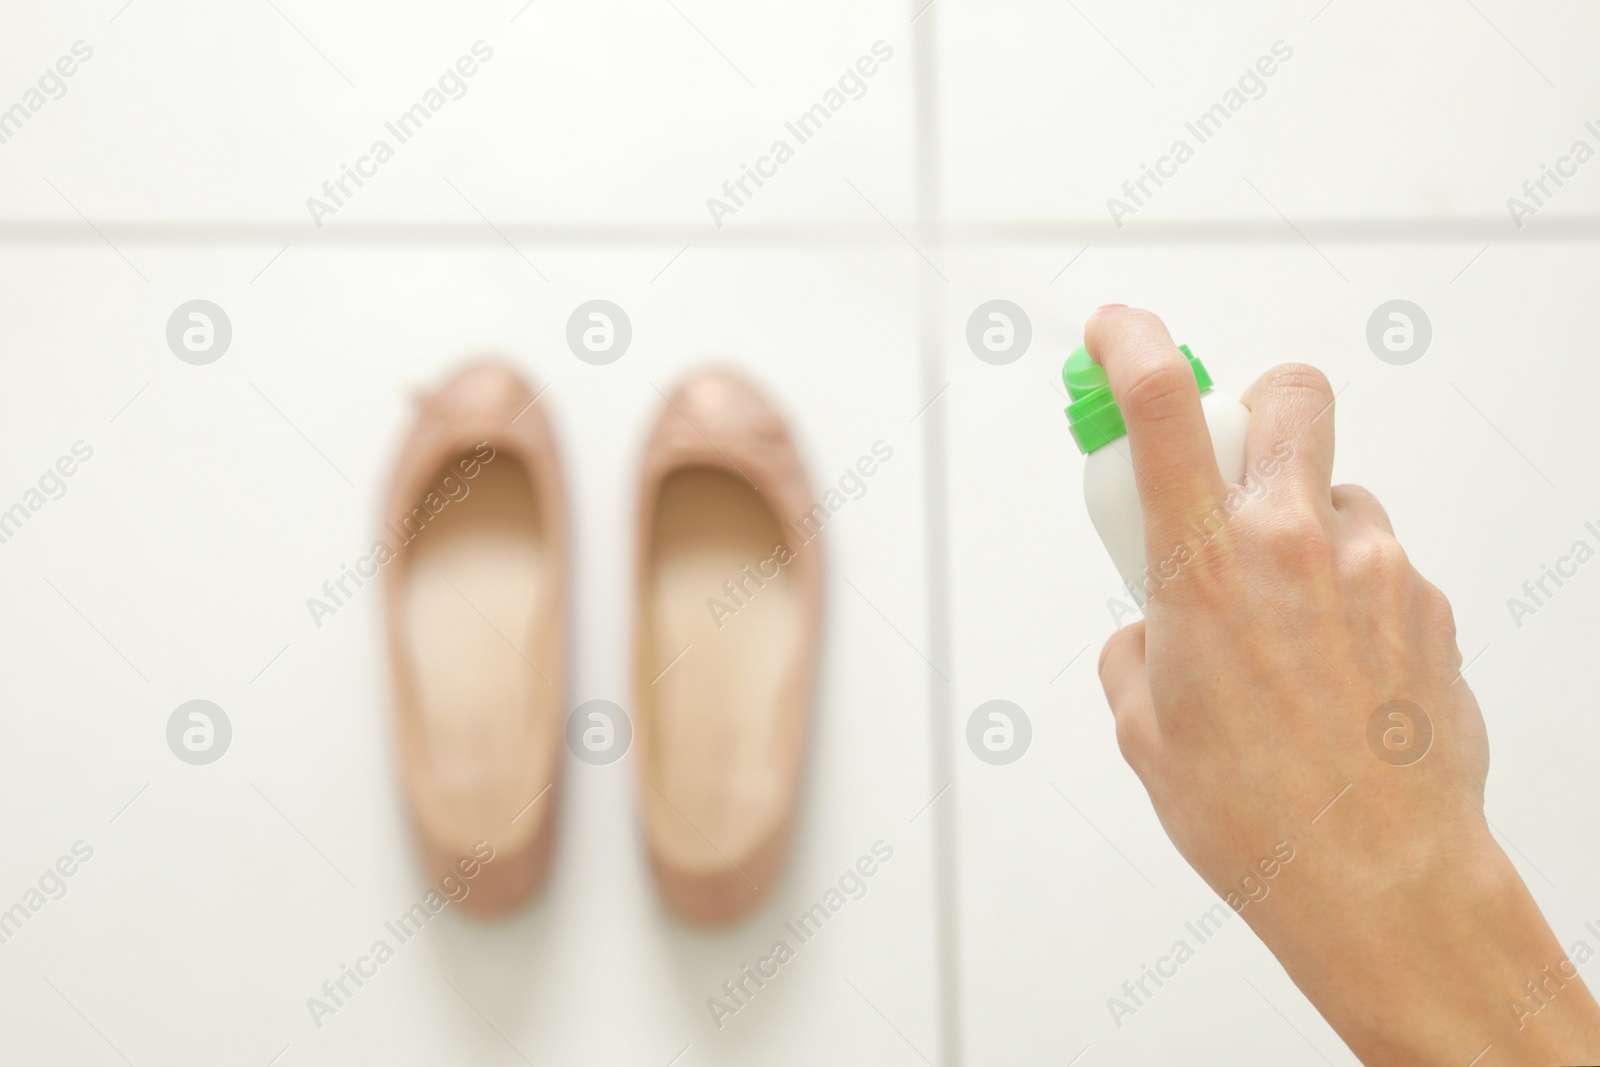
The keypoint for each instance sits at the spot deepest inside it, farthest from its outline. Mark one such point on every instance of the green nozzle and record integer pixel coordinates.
(1095, 419)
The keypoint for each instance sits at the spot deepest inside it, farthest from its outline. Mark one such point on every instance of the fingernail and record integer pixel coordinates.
(1107, 307)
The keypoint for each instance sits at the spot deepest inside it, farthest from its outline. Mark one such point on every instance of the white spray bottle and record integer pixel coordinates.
(1109, 484)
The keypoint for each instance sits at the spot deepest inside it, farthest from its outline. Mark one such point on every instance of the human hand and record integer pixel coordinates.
(1256, 704)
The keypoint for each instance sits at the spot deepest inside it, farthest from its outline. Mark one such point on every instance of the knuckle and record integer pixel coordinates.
(1100, 668)
(1382, 562)
(1109, 651)
(1437, 608)
(1353, 493)
(1157, 387)
(1293, 535)
(1359, 502)
(1132, 742)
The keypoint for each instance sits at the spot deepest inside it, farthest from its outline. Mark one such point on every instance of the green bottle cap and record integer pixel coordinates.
(1093, 414)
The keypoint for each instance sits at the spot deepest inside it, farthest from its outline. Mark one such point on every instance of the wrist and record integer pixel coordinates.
(1414, 962)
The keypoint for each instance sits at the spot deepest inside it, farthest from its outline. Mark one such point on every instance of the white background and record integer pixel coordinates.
(977, 166)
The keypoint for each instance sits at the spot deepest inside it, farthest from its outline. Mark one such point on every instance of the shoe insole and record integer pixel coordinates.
(715, 601)
(477, 575)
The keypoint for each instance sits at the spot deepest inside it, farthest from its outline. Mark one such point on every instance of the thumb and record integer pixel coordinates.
(1127, 686)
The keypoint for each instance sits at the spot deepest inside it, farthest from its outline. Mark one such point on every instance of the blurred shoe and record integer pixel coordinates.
(729, 586)
(475, 578)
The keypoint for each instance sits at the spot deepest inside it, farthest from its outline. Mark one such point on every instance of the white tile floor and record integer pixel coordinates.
(1375, 111)
(975, 166)
(191, 541)
(606, 114)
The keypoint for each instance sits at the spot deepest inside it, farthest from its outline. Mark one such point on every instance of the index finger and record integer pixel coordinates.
(1155, 390)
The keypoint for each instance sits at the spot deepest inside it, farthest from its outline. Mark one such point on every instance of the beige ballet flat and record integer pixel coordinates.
(728, 599)
(475, 584)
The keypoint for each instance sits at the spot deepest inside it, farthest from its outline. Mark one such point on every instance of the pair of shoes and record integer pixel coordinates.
(727, 602)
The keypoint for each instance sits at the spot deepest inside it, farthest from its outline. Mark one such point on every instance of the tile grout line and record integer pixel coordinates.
(935, 437)
(1351, 231)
